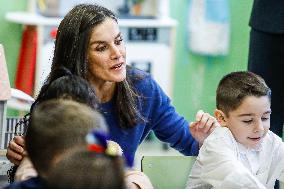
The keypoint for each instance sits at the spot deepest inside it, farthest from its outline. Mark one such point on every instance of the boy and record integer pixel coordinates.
(242, 153)
(65, 87)
(57, 128)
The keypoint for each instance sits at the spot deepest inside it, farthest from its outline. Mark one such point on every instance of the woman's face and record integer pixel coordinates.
(106, 53)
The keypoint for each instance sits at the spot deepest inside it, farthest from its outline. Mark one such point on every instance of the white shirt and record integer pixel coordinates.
(223, 163)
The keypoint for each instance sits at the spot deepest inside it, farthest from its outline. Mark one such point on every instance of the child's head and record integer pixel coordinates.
(57, 127)
(88, 170)
(243, 105)
(71, 87)
(67, 86)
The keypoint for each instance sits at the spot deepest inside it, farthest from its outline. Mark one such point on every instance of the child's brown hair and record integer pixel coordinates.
(88, 170)
(234, 87)
(58, 126)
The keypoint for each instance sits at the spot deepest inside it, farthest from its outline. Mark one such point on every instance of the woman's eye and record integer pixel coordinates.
(101, 48)
(118, 42)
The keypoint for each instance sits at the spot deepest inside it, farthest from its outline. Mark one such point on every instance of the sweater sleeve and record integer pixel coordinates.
(168, 125)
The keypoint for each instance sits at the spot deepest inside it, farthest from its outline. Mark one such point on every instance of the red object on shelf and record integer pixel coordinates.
(53, 33)
(25, 74)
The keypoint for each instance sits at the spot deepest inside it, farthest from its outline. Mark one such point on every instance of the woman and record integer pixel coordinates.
(91, 46)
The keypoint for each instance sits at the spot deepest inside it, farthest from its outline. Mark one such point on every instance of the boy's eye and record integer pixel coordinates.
(264, 118)
(247, 121)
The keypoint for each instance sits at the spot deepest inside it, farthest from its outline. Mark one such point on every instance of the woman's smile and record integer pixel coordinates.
(118, 66)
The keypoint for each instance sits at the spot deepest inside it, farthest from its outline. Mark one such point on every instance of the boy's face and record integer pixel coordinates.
(250, 122)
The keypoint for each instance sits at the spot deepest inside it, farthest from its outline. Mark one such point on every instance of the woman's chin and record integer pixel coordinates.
(121, 77)
(118, 79)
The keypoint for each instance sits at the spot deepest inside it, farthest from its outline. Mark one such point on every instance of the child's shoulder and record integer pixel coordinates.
(220, 133)
(222, 136)
(220, 141)
(272, 140)
(35, 182)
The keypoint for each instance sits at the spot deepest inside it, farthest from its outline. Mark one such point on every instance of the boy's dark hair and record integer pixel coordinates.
(234, 87)
(58, 126)
(88, 170)
(68, 86)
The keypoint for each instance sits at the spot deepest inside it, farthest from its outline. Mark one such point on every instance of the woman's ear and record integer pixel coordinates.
(221, 117)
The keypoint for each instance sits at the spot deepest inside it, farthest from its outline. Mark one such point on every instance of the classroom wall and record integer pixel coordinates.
(10, 37)
(11, 34)
(196, 77)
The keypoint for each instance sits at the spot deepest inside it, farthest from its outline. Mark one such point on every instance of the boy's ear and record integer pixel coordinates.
(221, 117)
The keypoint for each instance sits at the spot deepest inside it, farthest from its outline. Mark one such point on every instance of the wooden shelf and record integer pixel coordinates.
(166, 45)
(27, 18)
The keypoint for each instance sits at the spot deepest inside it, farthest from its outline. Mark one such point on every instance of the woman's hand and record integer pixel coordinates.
(16, 150)
(202, 126)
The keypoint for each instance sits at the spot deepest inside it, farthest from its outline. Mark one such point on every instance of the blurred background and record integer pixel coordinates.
(194, 76)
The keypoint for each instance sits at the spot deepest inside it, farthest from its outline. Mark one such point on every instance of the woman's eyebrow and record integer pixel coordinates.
(118, 35)
(96, 42)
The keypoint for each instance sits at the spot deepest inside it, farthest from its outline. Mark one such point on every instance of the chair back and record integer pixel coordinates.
(167, 172)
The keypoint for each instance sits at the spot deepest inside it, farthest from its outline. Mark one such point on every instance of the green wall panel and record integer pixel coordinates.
(10, 37)
(196, 77)
(11, 34)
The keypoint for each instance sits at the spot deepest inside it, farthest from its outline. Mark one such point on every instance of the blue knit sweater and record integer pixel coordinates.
(161, 117)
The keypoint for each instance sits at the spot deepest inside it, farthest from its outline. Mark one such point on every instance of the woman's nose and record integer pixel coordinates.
(115, 53)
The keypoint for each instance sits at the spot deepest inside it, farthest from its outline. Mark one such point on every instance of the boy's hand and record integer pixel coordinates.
(203, 126)
(16, 150)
